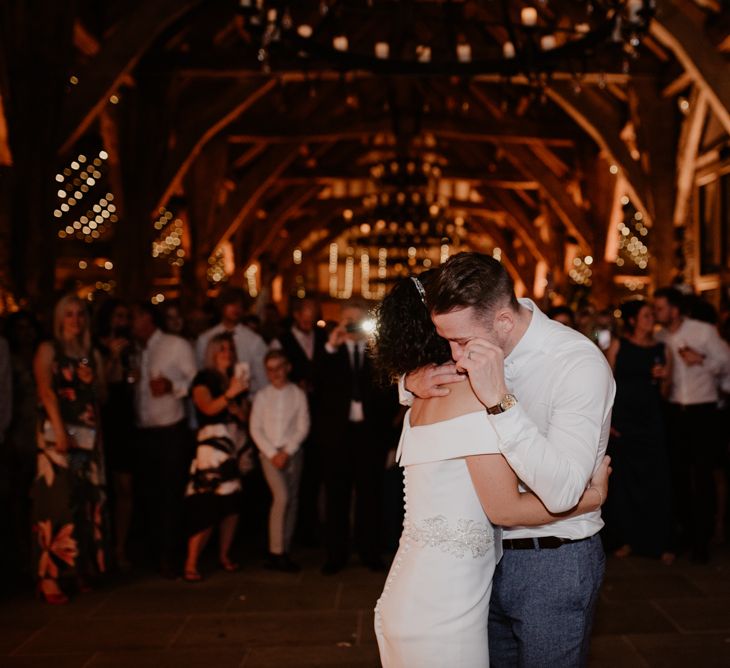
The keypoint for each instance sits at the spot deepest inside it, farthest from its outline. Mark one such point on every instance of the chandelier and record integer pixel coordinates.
(456, 37)
(406, 223)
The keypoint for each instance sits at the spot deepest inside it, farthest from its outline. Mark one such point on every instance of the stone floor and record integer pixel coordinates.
(649, 615)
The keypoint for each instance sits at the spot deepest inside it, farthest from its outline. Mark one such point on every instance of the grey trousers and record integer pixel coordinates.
(542, 606)
(284, 486)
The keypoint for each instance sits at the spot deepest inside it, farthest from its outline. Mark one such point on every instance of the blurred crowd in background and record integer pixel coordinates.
(132, 434)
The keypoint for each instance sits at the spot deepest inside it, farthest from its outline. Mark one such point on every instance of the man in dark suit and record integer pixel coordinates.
(354, 421)
(303, 344)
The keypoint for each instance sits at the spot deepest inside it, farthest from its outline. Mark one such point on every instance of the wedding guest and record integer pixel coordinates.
(271, 324)
(250, 347)
(166, 369)
(18, 468)
(117, 417)
(303, 344)
(279, 425)
(68, 493)
(701, 358)
(562, 314)
(352, 416)
(213, 496)
(639, 507)
(174, 323)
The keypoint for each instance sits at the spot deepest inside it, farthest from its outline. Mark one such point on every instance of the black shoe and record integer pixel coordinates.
(331, 568)
(282, 563)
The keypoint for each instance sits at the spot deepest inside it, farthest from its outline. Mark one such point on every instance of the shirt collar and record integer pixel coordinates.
(532, 338)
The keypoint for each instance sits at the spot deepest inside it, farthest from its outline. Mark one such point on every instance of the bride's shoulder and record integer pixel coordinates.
(460, 401)
(462, 398)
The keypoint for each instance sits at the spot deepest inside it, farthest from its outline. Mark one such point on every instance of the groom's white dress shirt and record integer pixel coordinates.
(556, 435)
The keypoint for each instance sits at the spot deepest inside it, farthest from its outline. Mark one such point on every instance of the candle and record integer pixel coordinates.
(340, 43)
(508, 50)
(463, 52)
(382, 50)
(528, 16)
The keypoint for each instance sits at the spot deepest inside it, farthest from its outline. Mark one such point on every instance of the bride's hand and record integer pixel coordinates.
(599, 481)
(429, 381)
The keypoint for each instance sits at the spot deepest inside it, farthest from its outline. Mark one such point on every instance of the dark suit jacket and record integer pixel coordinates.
(334, 394)
(302, 368)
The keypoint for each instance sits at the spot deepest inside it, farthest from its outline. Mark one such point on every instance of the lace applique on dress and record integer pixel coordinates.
(459, 539)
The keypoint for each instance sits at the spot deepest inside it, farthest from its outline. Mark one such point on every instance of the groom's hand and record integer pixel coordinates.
(429, 381)
(484, 362)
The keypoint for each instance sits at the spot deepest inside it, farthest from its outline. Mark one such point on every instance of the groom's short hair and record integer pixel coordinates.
(471, 279)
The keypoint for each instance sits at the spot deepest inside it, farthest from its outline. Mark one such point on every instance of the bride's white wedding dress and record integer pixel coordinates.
(434, 608)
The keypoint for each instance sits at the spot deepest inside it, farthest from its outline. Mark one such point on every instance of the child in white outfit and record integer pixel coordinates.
(279, 423)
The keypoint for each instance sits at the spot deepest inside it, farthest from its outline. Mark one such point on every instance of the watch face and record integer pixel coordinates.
(508, 401)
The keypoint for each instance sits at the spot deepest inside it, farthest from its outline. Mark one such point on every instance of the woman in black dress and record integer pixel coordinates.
(213, 495)
(640, 485)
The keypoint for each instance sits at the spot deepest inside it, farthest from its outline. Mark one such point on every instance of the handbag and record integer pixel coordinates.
(84, 438)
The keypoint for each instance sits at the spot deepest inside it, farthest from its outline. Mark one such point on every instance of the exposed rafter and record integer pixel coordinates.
(203, 122)
(118, 56)
(679, 25)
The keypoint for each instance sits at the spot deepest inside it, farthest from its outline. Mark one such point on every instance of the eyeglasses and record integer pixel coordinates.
(276, 367)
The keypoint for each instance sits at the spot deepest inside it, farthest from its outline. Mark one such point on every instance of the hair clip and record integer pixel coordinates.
(419, 287)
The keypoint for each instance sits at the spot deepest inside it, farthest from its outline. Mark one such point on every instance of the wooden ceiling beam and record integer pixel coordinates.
(261, 175)
(678, 85)
(603, 122)
(365, 182)
(467, 130)
(127, 43)
(262, 233)
(522, 224)
(202, 123)
(679, 26)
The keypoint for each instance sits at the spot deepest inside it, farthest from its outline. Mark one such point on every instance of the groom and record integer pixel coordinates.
(548, 391)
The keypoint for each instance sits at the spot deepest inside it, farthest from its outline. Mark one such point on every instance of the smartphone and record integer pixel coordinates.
(242, 371)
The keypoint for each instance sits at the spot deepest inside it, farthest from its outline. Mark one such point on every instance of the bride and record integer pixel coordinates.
(434, 607)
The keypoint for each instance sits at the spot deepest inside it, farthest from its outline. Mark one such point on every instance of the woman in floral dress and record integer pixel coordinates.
(68, 492)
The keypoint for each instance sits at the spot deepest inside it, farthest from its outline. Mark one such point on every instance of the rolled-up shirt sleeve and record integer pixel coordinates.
(405, 397)
(558, 466)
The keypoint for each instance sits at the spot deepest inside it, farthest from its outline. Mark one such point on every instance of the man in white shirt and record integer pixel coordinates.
(700, 362)
(549, 392)
(165, 370)
(250, 347)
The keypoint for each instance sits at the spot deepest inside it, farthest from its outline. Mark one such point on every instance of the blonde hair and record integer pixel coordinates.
(60, 311)
(213, 348)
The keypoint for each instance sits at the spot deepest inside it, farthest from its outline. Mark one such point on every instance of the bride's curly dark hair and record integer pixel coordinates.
(405, 338)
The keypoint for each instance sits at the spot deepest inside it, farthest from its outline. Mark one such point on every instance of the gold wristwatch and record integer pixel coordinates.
(507, 401)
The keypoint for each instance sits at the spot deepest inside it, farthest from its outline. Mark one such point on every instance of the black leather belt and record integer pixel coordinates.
(542, 543)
